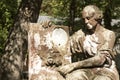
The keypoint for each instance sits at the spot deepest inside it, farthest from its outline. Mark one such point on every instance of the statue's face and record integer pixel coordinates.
(89, 20)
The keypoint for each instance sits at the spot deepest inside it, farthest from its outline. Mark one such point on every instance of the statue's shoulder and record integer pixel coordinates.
(79, 33)
(108, 33)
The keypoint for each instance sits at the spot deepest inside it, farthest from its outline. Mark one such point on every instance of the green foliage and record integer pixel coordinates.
(55, 8)
(8, 10)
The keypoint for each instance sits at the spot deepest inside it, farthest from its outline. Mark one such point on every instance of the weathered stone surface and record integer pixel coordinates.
(48, 49)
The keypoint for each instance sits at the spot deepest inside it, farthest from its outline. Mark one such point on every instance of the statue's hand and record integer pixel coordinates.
(65, 69)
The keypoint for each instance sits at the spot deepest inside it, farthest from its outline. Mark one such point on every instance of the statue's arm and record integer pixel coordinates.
(95, 61)
(76, 42)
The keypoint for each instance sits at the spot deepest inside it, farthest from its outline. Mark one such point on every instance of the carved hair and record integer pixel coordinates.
(93, 11)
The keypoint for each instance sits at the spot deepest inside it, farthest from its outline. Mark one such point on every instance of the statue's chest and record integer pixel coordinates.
(92, 43)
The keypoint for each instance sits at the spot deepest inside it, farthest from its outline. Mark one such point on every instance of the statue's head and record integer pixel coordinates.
(92, 15)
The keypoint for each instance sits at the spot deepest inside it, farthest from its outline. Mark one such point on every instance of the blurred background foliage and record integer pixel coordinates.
(69, 11)
(8, 9)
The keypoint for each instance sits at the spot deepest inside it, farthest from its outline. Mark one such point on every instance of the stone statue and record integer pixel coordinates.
(92, 50)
